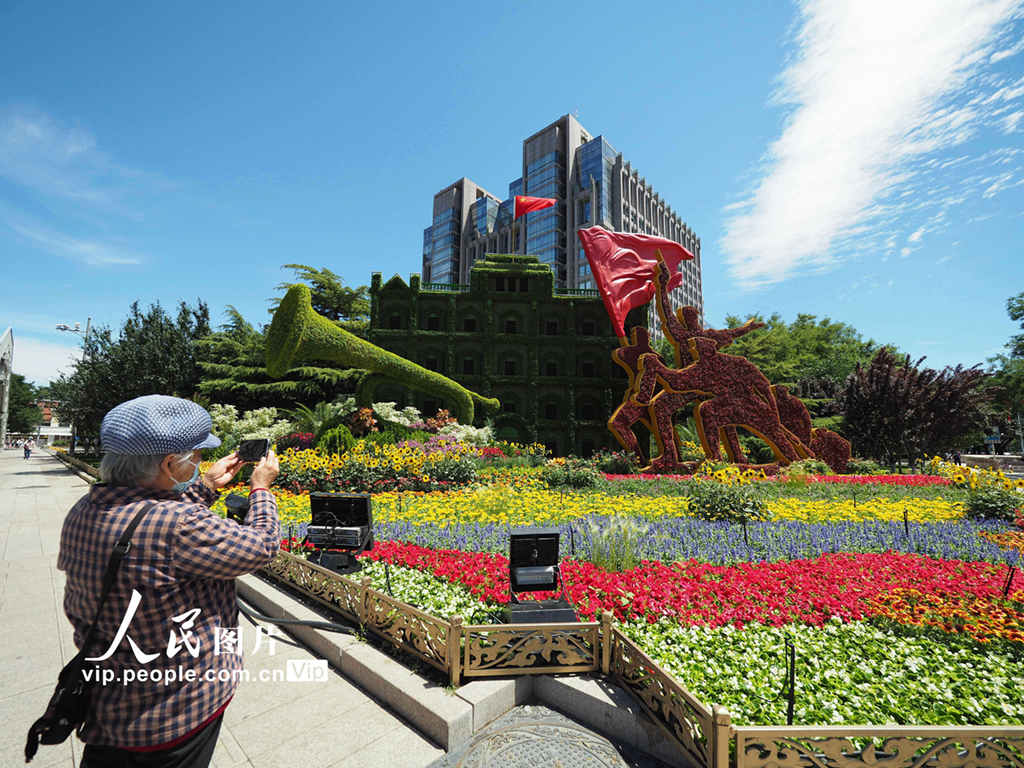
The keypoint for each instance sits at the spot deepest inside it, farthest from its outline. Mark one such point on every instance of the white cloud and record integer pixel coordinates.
(874, 87)
(42, 361)
(916, 235)
(91, 252)
(1007, 52)
(65, 162)
(1010, 122)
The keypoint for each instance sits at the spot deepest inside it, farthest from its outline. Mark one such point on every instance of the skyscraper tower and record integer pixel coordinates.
(593, 185)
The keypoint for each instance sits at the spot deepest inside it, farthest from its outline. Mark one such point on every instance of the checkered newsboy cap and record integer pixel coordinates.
(156, 425)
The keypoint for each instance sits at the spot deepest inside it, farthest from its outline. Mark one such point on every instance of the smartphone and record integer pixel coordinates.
(253, 450)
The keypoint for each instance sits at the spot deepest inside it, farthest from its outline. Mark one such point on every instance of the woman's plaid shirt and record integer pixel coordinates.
(183, 557)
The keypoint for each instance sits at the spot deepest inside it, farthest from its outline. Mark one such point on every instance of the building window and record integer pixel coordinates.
(551, 368)
(468, 365)
(587, 369)
(508, 405)
(511, 326)
(395, 321)
(524, 285)
(432, 363)
(509, 368)
(469, 325)
(587, 412)
(588, 328)
(550, 411)
(433, 323)
(499, 283)
(550, 327)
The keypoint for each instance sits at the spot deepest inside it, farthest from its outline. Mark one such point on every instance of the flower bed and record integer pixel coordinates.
(722, 631)
(527, 505)
(895, 599)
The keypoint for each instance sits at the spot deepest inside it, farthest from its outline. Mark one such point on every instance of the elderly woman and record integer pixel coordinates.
(164, 649)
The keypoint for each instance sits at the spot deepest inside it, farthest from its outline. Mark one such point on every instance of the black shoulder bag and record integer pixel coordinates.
(69, 704)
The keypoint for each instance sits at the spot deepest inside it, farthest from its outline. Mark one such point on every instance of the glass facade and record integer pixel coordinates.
(428, 242)
(545, 230)
(483, 213)
(444, 247)
(595, 160)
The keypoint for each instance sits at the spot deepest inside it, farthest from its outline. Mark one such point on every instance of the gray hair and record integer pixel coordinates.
(135, 470)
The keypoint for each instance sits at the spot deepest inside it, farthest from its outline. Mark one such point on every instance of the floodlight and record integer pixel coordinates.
(340, 521)
(533, 567)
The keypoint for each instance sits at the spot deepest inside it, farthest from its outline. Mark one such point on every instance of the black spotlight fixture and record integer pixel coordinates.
(237, 506)
(533, 567)
(341, 528)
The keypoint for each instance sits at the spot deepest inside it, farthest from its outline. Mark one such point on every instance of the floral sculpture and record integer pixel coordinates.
(724, 391)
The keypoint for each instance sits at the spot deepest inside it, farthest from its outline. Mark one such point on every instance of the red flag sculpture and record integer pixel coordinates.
(525, 205)
(623, 266)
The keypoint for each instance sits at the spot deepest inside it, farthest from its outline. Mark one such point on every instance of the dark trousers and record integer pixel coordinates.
(196, 752)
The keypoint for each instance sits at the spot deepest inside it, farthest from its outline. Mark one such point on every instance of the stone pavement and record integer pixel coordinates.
(268, 724)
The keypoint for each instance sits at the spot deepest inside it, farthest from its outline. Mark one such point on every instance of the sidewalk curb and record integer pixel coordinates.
(80, 468)
(452, 718)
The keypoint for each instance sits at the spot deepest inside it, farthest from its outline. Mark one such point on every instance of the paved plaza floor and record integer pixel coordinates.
(268, 724)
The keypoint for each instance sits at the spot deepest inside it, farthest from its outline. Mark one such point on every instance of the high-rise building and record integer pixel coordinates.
(593, 185)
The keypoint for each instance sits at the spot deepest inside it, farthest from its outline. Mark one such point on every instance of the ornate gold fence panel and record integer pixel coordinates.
(879, 747)
(409, 628)
(530, 649)
(323, 585)
(424, 636)
(691, 722)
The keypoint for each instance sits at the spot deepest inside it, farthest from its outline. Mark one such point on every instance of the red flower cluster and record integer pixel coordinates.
(809, 591)
(492, 452)
(912, 480)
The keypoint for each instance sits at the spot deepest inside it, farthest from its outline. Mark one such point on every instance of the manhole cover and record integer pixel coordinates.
(528, 745)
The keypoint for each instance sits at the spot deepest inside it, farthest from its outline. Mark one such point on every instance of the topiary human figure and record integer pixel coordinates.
(732, 390)
(679, 328)
(629, 413)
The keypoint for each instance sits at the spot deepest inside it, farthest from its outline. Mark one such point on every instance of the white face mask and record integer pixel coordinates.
(181, 485)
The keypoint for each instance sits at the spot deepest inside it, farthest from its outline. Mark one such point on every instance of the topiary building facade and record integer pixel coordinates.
(508, 334)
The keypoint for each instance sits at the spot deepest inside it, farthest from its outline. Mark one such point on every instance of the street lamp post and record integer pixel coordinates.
(85, 351)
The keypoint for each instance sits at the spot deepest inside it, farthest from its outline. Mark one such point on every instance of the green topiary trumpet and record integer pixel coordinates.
(297, 332)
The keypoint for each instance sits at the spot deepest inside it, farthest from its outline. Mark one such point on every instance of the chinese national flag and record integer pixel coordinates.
(525, 205)
(623, 266)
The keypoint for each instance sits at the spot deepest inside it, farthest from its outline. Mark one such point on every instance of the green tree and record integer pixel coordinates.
(808, 355)
(22, 412)
(349, 307)
(895, 409)
(1007, 374)
(153, 353)
(233, 366)
(1015, 308)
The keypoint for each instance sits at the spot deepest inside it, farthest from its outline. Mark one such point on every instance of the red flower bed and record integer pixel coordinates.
(913, 480)
(809, 591)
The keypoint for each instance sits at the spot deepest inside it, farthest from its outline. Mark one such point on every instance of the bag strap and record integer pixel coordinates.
(121, 548)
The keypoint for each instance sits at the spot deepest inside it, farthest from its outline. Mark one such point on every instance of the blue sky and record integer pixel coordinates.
(853, 159)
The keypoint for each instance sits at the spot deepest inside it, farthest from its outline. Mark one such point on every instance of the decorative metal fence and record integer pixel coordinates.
(704, 733)
(879, 747)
